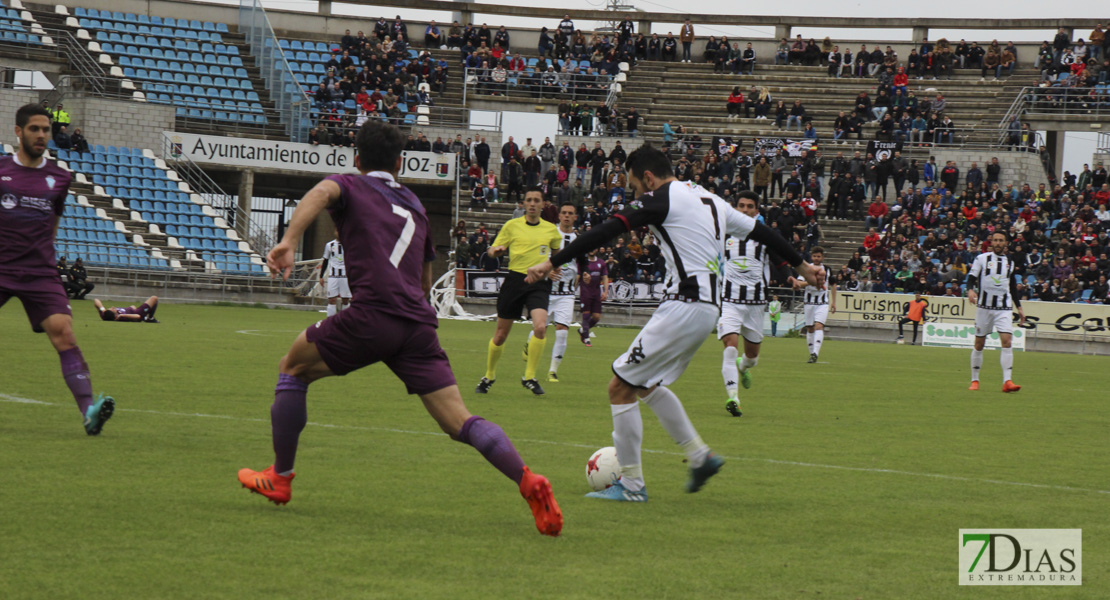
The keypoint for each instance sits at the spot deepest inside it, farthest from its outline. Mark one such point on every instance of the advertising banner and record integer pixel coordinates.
(883, 150)
(1044, 317)
(770, 147)
(486, 284)
(291, 156)
(948, 335)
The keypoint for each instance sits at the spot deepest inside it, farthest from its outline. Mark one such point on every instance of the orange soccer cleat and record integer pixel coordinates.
(536, 489)
(974, 386)
(1010, 386)
(276, 488)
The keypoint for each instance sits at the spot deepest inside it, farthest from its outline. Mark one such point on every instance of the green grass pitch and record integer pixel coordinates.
(844, 479)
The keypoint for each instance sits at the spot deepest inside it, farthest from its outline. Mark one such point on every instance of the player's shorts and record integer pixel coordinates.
(743, 319)
(337, 286)
(517, 296)
(664, 347)
(560, 309)
(362, 335)
(41, 295)
(816, 313)
(987, 321)
(591, 301)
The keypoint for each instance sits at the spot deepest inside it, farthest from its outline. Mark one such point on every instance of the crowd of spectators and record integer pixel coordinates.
(60, 122)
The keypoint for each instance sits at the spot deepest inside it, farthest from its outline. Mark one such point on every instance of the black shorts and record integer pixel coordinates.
(516, 296)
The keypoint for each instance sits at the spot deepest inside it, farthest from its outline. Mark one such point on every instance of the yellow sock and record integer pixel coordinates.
(535, 353)
(491, 360)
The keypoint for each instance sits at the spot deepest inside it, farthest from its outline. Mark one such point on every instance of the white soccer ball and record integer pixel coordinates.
(901, 341)
(602, 470)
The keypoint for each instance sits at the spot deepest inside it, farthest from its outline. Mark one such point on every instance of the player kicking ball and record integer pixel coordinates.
(528, 240)
(32, 199)
(817, 305)
(384, 227)
(144, 313)
(993, 291)
(693, 224)
(743, 301)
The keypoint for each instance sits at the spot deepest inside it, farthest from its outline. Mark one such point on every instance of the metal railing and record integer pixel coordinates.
(537, 85)
(289, 98)
(62, 45)
(1057, 101)
(421, 116)
(257, 238)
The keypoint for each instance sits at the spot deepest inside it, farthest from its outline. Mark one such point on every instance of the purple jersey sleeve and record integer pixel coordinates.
(31, 200)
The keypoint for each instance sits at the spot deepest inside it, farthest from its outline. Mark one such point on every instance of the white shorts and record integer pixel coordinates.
(337, 286)
(816, 313)
(560, 309)
(743, 319)
(664, 347)
(987, 321)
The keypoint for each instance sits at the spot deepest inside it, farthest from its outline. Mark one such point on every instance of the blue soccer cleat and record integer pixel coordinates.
(620, 494)
(99, 413)
(699, 475)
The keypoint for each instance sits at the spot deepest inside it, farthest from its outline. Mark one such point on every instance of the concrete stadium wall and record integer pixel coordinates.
(10, 101)
(102, 120)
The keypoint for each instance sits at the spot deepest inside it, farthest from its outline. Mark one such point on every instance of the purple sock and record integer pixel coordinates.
(76, 374)
(586, 318)
(288, 415)
(492, 442)
(593, 320)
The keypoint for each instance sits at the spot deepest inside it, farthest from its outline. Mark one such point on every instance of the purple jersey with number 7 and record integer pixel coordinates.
(384, 231)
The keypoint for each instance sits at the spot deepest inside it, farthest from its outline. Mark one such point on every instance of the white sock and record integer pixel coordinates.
(818, 339)
(628, 433)
(673, 418)
(728, 371)
(1007, 360)
(558, 349)
(331, 310)
(976, 363)
(809, 340)
(747, 363)
(340, 307)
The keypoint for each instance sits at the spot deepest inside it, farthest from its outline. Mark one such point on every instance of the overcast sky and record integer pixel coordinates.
(1079, 146)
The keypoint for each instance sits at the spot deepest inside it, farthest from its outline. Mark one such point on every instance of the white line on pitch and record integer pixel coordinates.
(772, 461)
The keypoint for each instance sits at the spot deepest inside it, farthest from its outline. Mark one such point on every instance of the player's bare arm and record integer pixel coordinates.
(604, 288)
(497, 251)
(280, 258)
(832, 299)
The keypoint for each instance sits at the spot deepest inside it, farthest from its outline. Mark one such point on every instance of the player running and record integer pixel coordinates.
(32, 199)
(915, 313)
(594, 290)
(747, 266)
(817, 305)
(529, 240)
(385, 228)
(334, 267)
(143, 313)
(992, 289)
(692, 225)
(561, 305)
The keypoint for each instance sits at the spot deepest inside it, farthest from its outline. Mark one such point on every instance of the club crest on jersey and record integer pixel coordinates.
(50, 181)
(9, 201)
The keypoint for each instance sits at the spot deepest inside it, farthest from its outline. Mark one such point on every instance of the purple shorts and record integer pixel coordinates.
(360, 336)
(42, 296)
(591, 301)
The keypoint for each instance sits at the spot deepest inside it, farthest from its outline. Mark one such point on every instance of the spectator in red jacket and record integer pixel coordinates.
(736, 104)
(901, 81)
(876, 213)
(872, 239)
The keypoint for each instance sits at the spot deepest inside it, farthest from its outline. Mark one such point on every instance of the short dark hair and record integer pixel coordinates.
(648, 158)
(25, 112)
(1001, 233)
(536, 189)
(108, 315)
(571, 204)
(817, 250)
(748, 195)
(378, 145)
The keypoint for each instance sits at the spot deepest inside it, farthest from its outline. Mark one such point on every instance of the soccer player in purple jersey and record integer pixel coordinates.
(593, 291)
(143, 313)
(384, 232)
(32, 198)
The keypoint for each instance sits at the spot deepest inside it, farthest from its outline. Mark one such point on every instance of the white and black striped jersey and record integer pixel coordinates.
(691, 225)
(747, 272)
(333, 253)
(813, 295)
(567, 284)
(994, 273)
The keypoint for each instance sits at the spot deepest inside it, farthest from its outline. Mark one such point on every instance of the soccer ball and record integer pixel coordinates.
(602, 470)
(901, 341)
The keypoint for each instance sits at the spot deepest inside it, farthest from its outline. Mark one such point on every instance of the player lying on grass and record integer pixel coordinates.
(32, 199)
(385, 236)
(144, 313)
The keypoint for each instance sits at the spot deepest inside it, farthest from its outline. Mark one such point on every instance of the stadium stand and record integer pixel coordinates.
(19, 25)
